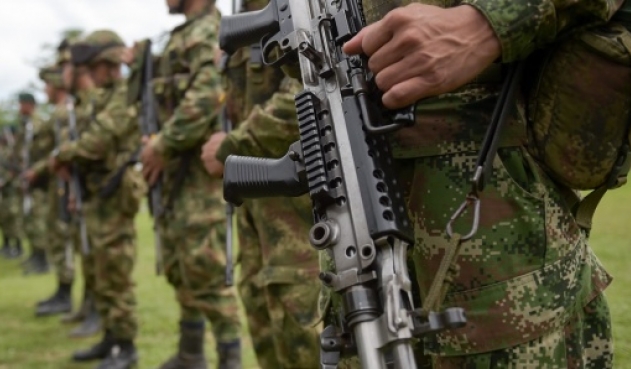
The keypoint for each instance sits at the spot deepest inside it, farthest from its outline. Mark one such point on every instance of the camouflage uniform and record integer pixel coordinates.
(104, 149)
(279, 268)
(58, 231)
(188, 92)
(35, 221)
(530, 284)
(10, 211)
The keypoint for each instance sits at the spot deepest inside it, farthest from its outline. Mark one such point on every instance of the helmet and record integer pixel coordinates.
(178, 8)
(52, 75)
(103, 45)
(26, 97)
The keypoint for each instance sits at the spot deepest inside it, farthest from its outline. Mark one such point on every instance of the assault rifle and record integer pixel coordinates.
(343, 161)
(148, 122)
(27, 200)
(75, 180)
(63, 198)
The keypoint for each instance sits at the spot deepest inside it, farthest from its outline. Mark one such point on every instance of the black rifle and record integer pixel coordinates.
(62, 192)
(148, 122)
(343, 161)
(75, 180)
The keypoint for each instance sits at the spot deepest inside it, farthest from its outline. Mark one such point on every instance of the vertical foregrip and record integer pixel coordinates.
(247, 177)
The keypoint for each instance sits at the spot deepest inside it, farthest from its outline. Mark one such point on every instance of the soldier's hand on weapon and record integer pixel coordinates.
(152, 162)
(29, 176)
(419, 51)
(213, 166)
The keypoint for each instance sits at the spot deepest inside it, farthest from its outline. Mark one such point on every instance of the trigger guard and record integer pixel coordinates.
(268, 44)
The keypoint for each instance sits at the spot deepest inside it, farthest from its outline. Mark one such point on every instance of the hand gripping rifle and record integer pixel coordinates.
(62, 192)
(27, 201)
(148, 122)
(343, 161)
(75, 181)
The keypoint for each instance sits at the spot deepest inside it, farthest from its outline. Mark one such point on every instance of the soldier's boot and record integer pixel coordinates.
(39, 264)
(81, 313)
(90, 326)
(190, 354)
(122, 356)
(61, 302)
(97, 352)
(15, 250)
(229, 354)
(7, 250)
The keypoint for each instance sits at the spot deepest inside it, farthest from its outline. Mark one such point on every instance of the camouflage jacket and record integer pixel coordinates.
(57, 121)
(259, 131)
(528, 270)
(43, 141)
(108, 141)
(188, 91)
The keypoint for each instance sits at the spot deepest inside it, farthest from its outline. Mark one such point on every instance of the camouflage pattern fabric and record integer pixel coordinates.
(10, 201)
(35, 222)
(58, 231)
(188, 91)
(530, 284)
(279, 268)
(105, 143)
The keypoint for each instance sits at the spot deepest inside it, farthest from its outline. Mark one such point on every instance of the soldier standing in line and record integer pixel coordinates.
(60, 245)
(113, 189)
(279, 269)
(10, 219)
(188, 92)
(79, 83)
(34, 142)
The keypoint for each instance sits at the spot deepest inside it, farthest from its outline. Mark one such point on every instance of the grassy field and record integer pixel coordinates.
(30, 343)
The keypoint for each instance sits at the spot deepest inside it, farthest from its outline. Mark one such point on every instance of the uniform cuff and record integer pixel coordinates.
(519, 26)
(158, 145)
(227, 147)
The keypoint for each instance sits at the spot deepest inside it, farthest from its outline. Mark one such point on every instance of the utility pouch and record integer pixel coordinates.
(579, 111)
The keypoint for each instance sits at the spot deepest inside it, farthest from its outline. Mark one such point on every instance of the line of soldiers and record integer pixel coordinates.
(85, 190)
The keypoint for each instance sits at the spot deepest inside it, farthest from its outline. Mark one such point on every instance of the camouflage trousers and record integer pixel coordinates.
(59, 238)
(279, 281)
(109, 265)
(193, 238)
(11, 213)
(585, 342)
(36, 221)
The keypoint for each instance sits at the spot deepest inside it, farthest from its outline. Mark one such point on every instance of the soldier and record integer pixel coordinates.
(77, 81)
(530, 284)
(33, 143)
(279, 269)
(10, 218)
(112, 192)
(59, 251)
(188, 92)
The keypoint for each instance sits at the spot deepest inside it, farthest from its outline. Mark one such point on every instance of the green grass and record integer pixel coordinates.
(30, 343)
(27, 342)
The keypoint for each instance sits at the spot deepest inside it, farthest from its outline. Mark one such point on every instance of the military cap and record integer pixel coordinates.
(26, 97)
(102, 45)
(52, 75)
